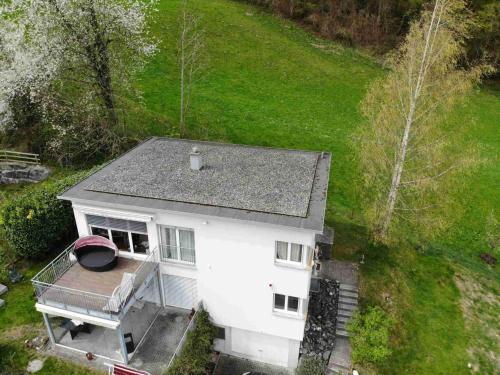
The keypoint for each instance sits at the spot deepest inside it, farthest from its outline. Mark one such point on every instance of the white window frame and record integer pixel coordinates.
(297, 313)
(288, 260)
(177, 245)
(130, 242)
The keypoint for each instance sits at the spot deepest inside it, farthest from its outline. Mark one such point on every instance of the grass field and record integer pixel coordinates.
(268, 82)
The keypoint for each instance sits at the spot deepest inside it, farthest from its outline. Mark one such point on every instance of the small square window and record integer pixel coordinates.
(293, 304)
(220, 333)
(279, 301)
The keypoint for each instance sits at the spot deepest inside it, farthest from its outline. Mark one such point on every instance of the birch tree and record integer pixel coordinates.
(406, 152)
(191, 54)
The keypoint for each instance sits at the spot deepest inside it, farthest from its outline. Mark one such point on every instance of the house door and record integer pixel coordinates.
(180, 291)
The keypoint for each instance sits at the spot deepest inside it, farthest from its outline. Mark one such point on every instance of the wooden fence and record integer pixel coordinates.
(18, 157)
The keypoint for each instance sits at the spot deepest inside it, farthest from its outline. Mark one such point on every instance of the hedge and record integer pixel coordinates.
(35, 222)
(369, 333)
(311, 366)
(195, 355)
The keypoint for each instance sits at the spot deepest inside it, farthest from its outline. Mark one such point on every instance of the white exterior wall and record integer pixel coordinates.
(234, 269)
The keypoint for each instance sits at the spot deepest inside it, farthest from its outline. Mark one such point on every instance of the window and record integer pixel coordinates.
(121, 240)
(128, 236)
(177, 244)
(288, 304)
(100, 232)
(220, 333)
(289, 252)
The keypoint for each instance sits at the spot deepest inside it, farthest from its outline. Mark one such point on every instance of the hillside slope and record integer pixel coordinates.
(270, 83)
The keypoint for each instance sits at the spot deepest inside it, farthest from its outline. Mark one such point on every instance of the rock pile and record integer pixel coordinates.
(16, 173)
(319, 334)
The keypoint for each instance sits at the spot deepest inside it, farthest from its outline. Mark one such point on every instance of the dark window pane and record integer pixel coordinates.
(279, 301)
(140, 242)
(100, 232)
(220, 333)
(293, 304)
(121, 240)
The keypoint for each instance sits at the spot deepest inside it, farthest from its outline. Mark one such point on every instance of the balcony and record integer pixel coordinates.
(66, 285)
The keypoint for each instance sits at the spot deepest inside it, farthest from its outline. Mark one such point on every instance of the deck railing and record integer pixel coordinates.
(7, 156)
(190, 327)
(81, 301)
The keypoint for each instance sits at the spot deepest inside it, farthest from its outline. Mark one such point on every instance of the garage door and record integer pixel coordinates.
(179, 291)
(265, 348)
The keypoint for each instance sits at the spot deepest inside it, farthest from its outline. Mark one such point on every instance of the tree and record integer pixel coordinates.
(73, 57)
(191, 48)
(406, 153)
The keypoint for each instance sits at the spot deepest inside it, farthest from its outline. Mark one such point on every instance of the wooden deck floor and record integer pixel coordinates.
(103, 283)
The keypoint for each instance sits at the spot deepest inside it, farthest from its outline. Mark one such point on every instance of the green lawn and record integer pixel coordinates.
(270, 83)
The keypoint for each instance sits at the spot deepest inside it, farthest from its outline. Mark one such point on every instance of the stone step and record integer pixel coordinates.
(347, 306)
(343, 319)
(342, 333)
(348, 288)
(341, 324)
(337, 369)
(345, 293)
(348, 301)
(344, 313)
(2, 303)
(3, 289)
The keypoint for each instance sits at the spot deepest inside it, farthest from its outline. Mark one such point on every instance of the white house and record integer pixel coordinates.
(231, 226)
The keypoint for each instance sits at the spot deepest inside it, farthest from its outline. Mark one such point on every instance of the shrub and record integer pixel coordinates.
(369, 334)
(311, 366)
(195, 355)
(36, 221)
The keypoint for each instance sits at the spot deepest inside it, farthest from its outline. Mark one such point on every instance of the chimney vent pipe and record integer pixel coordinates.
(195, 159)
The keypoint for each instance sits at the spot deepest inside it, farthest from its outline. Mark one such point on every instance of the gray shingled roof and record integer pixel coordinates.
(286, 187)
(247, 178)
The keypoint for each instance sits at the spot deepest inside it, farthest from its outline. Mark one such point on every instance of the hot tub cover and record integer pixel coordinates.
(95, 241)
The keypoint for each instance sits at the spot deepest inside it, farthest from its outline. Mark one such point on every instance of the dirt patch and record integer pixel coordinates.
(480, 305)
(23, 331)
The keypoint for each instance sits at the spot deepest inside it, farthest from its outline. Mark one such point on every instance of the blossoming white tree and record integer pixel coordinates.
(74, 55)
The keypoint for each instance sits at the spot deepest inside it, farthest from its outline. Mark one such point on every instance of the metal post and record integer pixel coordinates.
(49, 329)
(123, 347)
(160, 287)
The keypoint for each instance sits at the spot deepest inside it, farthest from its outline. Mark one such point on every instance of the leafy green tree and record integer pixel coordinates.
(407, 159)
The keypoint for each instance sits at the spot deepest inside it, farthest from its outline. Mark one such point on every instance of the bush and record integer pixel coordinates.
(311, 366)
(195, 355)
(369, 334)
(36, 221)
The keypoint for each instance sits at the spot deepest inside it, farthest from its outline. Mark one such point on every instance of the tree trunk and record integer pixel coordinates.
(99, 58)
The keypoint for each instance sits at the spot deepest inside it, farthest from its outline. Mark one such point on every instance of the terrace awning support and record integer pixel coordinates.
(49, 329)
(123, 347)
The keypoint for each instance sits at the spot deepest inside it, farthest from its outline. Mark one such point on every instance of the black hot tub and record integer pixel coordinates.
(96, 253)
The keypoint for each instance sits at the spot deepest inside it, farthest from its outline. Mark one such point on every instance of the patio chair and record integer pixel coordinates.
(121, 293)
